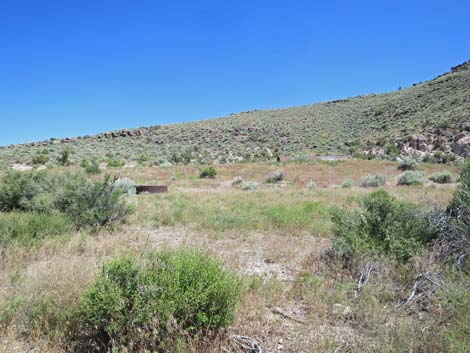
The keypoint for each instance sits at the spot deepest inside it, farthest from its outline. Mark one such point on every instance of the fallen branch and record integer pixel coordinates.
(424, 286)
(341, 346)
(278, 311)
(246, 344)
(364, 277)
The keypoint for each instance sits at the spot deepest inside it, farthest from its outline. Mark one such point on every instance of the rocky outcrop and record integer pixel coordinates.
(431, 146)
(461, 145)
(420, 143)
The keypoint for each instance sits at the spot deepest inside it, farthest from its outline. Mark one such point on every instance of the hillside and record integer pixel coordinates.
(429, 120)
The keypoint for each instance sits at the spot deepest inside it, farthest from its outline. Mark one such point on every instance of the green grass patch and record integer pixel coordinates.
(244, 211)
(28, 228)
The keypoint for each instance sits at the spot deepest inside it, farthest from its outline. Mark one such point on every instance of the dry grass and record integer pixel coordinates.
(290, 299)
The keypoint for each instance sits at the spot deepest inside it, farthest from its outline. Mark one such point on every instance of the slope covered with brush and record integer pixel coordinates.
(428, 120)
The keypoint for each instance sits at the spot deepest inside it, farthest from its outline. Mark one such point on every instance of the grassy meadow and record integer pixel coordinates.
(295, 294)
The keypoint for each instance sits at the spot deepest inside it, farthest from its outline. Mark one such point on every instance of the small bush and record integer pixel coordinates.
(312, 185)
(8, 310)
(125, 185)
(381, 226)
(151, 301)
(250, 186)
(276, 177)
(443, 157)
(28, 228)
(237, 181)
(64, 157)
(114, 163)
(93, 167)
(40, 159)
(372, 181)
(443, 177)
(208, 173)
(411, 178)
(348, 183)
(407, 163)
(455, 230)
(85, 163)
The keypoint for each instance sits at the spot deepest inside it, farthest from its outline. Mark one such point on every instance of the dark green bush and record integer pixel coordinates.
(26, 228)
(85, 163)
(461, 197)
(456, 231)
(88, 204)
(411, 178)
(114, 163)
(151, 301)
(392, 150)
(19, 189)
(208, 172)
(443, 177)
(381, 226)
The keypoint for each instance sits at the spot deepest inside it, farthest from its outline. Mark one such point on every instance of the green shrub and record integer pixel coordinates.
(26, 228)
(94, 205)
(8, 310)
(85, 163)
(64, 157)
(93, 167)
(114, 163)
(381, 226)
(348, 183)
(88, 204)
(372, 181)
(453, 224)
(149, 301)
(411, 178)
(456, 232)
(40, 159)
(208, 172)
(392, 150)
(443, 157)
(18, 189)
(443, 177)
(407, 163)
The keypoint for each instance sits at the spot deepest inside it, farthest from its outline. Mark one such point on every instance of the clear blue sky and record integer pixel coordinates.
(71, 68)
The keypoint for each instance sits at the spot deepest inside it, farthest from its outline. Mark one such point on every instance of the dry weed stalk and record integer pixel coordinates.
(423, 288)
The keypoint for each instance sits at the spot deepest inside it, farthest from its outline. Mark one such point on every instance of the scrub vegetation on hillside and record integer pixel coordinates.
(429, 121)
